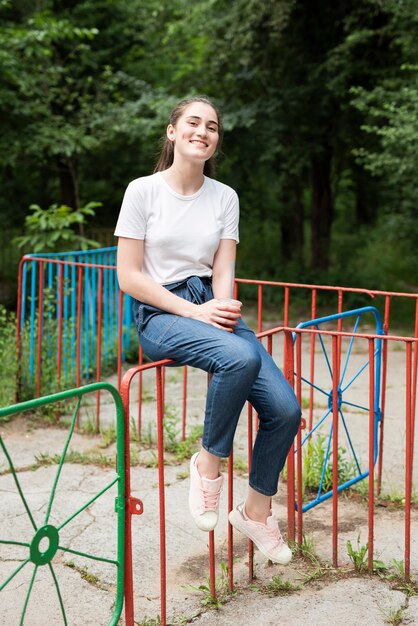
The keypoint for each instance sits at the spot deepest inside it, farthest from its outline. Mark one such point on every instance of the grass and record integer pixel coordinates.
(149, 621)
(222, 591)
(240, 465)
(394, 616)
(279, 587)
(90, 578)
(73, 456)
(314, 462)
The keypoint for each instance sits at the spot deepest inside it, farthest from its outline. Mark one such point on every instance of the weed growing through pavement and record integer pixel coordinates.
(133, 432)
(222, 591)
(359, 558)
(240, 465)
(90, 578)
(73, 456)
(181, 449)
(279, 587)
(149, 621)
(394, 616)
(108, 436)
(317, 469)
(397, 576)
(307, 551)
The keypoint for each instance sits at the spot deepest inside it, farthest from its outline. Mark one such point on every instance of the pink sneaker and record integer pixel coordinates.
(267, 537)
(204, 497)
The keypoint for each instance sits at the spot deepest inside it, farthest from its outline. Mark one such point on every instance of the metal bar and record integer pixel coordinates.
(372, 293)
(32, 319)
(414, 383)
(60, 600)
(286, 307)
(62, 459)
(408, 461)
(312, 362)
(78, 325)
(59, 319)
(129, 590)
(99, 342)
(120, 336)
(260, 309)
(335, 379)
(21, 293)
(288, 370)
(184, 404)
(230, 531)
(161, 490)
(140, 381)
(25, 606)
(40, 328)
(250, 436)
(370, 553)
(212, 576)
(298, 440)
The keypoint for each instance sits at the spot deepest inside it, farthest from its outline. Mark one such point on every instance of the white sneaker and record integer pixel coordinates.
(266, 537)
(204, 497)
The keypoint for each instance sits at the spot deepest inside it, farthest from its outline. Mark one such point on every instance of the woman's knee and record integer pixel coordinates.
(295, 416)
(240, 356)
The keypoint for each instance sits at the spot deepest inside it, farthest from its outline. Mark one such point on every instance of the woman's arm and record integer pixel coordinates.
(223, 272)
(133, 282)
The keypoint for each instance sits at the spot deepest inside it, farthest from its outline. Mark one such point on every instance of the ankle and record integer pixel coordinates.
(208, 465)
(255, 514)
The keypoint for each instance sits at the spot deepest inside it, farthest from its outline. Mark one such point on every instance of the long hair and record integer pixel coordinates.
(166, 157)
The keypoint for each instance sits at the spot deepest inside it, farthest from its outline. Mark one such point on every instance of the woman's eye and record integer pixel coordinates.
(212, 129)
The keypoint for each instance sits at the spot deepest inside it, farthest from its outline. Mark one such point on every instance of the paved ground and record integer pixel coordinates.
(88, 587)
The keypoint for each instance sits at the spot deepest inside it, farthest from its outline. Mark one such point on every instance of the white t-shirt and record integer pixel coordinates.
(181, 233)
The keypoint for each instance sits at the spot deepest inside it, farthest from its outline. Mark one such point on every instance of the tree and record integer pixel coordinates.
(61, 98)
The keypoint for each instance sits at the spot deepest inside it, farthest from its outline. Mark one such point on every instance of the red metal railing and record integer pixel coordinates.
(83, 299)
(293, 368)
(409, 423)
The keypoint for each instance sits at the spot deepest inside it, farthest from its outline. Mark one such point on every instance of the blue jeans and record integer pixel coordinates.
(241, 370)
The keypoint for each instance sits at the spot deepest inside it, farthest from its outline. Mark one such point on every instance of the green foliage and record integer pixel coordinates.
(279, 587)
(358, 556)
(149, 621)
(222, 591)
(8, 357)
(182, 449)
(51, 230)
(314, 457)
(320, 108)
(74, 456)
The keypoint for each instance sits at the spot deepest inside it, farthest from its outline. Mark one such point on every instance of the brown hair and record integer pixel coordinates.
(167, 152)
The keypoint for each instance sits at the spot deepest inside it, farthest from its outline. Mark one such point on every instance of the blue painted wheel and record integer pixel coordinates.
(317, 442)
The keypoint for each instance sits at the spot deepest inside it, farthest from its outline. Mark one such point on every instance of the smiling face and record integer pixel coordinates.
(196, 133)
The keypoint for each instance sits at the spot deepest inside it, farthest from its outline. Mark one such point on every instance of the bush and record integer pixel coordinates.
(8, 357)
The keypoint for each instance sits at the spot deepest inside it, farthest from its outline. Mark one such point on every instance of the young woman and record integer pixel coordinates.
(178, 231)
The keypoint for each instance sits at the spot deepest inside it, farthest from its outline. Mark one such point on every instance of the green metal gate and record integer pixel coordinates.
(44, 543)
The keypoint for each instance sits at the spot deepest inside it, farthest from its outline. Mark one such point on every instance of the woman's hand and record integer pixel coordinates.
(222, 313)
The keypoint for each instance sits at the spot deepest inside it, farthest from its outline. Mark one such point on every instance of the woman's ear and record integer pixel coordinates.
(170, 132)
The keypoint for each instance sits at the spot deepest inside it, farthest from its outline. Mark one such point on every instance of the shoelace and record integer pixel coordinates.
(276, 535)
(210, 499)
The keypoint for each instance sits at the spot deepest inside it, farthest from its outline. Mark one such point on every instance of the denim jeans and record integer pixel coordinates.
(241, 370)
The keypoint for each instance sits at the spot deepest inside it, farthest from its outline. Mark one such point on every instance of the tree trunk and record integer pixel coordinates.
(322, 210)
(366, 196)
(68, 183)
(291, 223)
